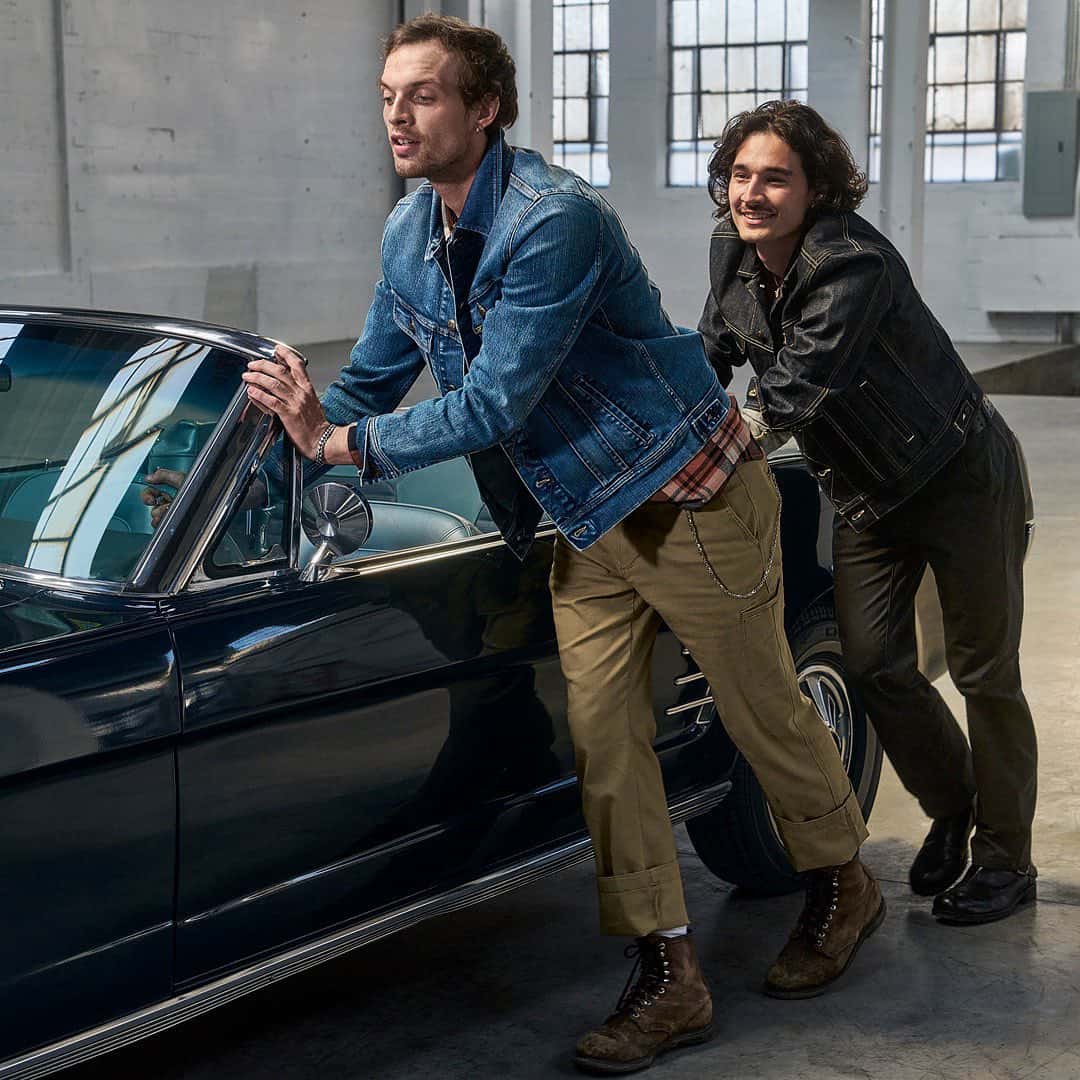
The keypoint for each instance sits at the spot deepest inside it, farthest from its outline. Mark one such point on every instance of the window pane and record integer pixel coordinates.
(948, 163)
(1008, 161)
(577, 27)
(601, 170)
(601, 80)
(600, 116)
(741, 69)
(951, 15)
(88, 414)
(681, 168)
(797, 78)
(741, 21)
(1015, 55)
(738, 103)
(1014, 14)
(714, 115)
(682, 117)
(600, 26)
(684, 22)
(770, 20)
(577, 75)
(558, 131)
(981, 162)
(576, 120)
(770, 68)
(558, 77)
(712, 21)
(798, 20)
(980, 107)
(557, 26)
(949, 108)
(949, 64)
(983, 15)
(682, 71)
(982, 57)
(1012, 112)
(713, 70)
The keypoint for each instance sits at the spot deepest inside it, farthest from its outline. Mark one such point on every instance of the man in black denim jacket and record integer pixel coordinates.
(920, 468)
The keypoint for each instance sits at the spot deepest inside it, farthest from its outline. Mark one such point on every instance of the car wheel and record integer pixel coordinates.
(738, 841)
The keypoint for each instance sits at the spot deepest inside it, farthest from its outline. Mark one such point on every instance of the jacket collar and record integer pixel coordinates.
(485, 194)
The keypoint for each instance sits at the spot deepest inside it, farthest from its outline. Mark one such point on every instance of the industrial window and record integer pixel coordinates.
(727, 56)
(975, 91)
(580, 90)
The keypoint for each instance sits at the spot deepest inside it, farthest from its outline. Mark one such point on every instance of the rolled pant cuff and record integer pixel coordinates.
(829, 840)
(633, 905)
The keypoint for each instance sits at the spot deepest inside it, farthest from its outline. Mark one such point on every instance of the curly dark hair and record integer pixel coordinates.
(826, 158)
(487, 68)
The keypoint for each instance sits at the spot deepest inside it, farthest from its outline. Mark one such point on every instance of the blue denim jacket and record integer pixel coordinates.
(594, 396)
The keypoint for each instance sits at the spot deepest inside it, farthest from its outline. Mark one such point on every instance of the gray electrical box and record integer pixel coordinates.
(1051, 139)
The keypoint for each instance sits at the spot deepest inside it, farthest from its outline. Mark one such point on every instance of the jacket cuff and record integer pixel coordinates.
(358, 451)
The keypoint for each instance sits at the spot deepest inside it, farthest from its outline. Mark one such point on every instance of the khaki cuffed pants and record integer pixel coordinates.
(608, 603)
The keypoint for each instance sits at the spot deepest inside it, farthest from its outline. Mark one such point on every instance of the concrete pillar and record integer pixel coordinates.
(903, 127)
(637, 109)
(838, 59)
(527, 26)
(1048, 44)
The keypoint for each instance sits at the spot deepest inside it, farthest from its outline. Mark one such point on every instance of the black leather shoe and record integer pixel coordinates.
(985, 895)
(943, 856)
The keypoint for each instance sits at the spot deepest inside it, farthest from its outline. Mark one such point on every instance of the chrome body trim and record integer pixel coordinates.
(686, 706)
(371, 564)
(225, 337)
(684, 680)
(192, 1003)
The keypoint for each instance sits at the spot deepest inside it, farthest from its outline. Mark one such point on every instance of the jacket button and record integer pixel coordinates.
(478, 329)
(451, 326)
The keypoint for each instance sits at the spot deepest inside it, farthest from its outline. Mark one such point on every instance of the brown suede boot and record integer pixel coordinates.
(844, 906)
(669, 1006)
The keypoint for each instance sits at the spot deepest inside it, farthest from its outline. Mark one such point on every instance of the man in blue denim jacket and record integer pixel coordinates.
(561, 377)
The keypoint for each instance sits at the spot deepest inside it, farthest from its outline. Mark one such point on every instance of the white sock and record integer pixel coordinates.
(675, 931)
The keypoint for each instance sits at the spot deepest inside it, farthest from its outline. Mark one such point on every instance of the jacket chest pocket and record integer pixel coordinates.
(414, 327)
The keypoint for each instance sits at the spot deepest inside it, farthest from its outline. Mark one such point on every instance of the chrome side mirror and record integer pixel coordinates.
(337, 519)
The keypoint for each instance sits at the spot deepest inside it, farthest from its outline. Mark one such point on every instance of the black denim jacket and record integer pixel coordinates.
(848, 359)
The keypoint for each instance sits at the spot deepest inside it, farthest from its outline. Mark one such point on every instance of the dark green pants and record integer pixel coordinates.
(968, 524)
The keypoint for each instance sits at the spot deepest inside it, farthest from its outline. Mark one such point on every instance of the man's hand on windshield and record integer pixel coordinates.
(158, 499)
(282, 386)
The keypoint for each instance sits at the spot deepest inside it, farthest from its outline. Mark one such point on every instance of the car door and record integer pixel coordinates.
(381, 734)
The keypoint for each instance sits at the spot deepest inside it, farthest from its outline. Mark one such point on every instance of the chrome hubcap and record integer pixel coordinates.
(824, 686)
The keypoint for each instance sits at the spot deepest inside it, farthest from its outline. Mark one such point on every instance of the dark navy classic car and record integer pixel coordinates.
(246, 726)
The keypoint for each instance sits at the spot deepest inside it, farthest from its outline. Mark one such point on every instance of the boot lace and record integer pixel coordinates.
(822, 899)
(651, 959)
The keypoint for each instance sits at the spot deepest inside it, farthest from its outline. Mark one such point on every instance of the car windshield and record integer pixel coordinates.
(85, 415)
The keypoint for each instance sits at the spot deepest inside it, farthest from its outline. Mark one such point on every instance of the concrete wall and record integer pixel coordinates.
(220, 161)
(227, 162)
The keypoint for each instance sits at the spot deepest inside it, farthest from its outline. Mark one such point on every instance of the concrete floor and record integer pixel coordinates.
(501, 990)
